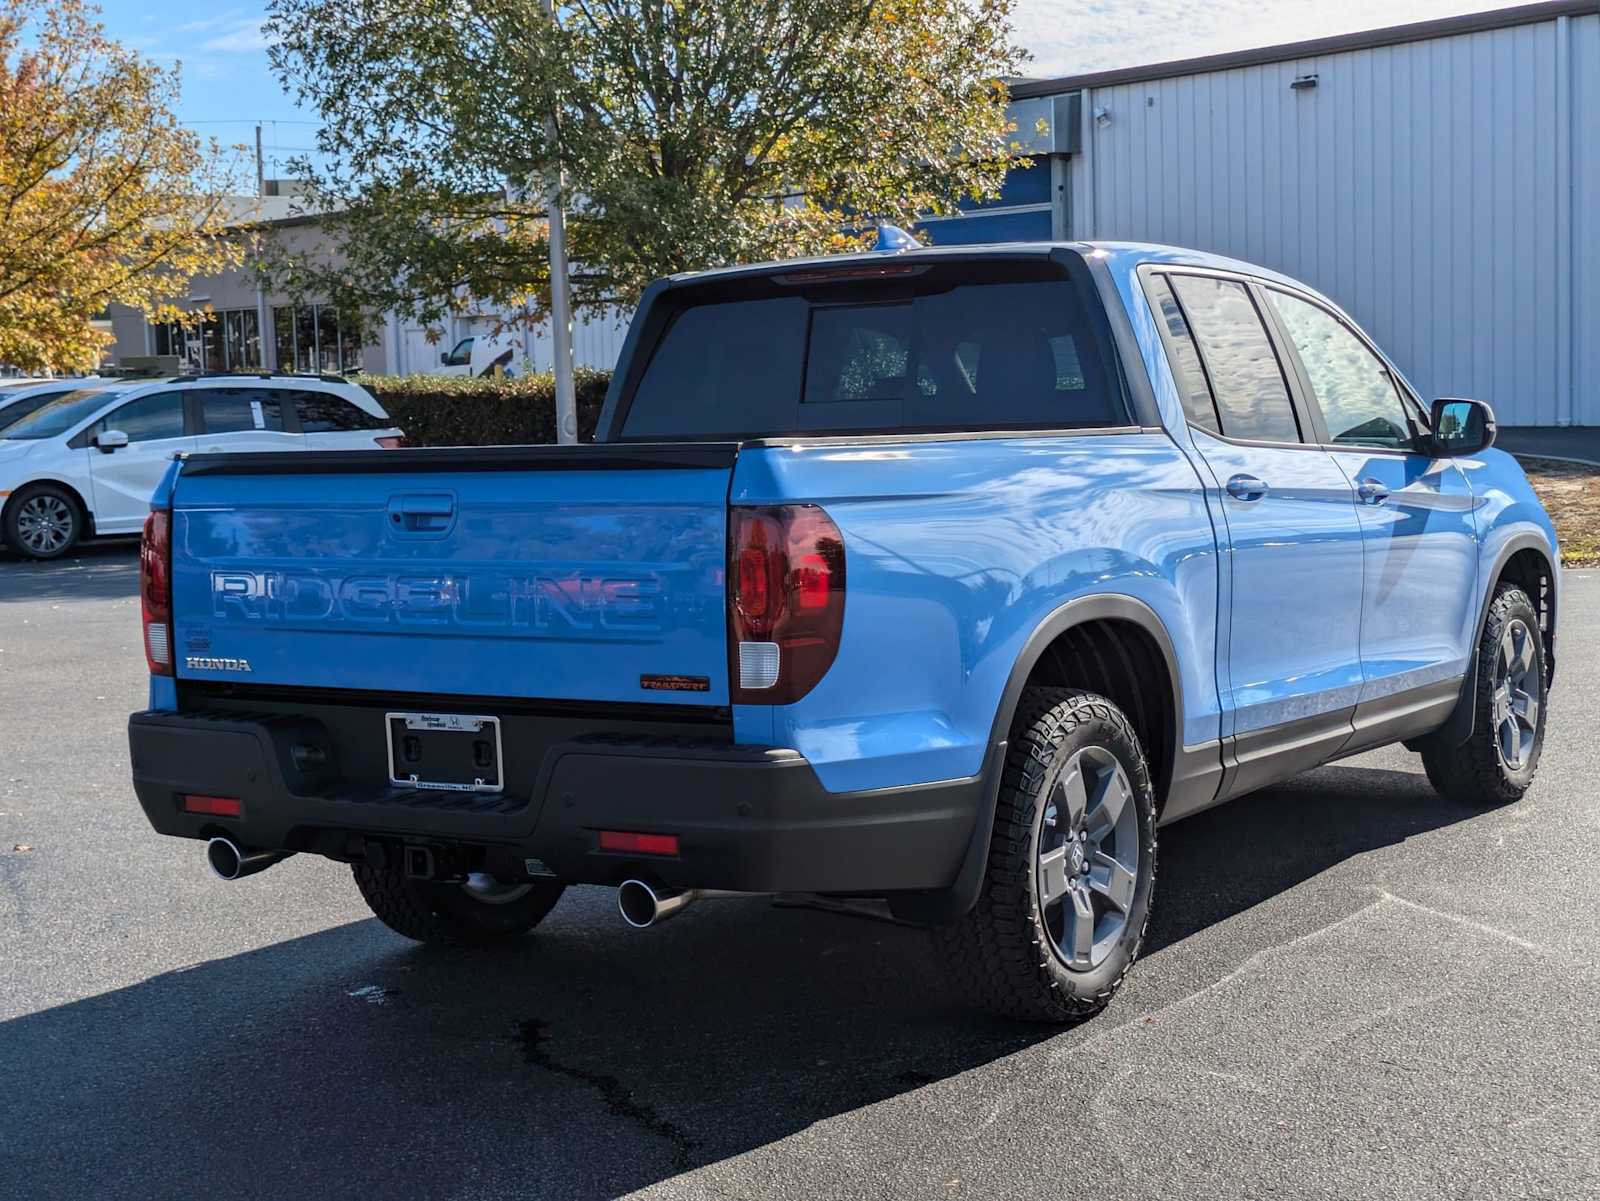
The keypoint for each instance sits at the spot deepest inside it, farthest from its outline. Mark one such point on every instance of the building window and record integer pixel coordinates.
(309, 337)
(227, 340)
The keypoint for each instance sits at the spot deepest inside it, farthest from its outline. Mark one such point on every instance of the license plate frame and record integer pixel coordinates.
(451, 737)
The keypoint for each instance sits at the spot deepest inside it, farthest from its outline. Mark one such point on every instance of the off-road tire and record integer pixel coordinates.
(66, 503)
(447, 914)
(1475, 773)
(1000, 953)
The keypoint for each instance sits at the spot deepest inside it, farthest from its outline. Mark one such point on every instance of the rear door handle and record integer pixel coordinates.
(1246, 487)
(1372, 492)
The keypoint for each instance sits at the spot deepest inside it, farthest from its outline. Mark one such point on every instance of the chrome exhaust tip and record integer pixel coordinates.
(643, 905)
(230, 862)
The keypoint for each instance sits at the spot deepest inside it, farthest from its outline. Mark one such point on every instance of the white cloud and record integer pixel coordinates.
(1068, 38)
(245, 37)
(233, 16)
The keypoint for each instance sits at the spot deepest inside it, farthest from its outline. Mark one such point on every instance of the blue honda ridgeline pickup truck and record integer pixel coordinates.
(941, 577)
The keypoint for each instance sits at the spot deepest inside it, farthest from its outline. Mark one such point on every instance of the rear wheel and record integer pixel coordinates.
(474, 912)
(1495, 766)
(43, 522)
(1072, 861)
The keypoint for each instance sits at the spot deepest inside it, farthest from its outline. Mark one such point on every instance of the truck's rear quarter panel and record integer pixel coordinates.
(957, 551)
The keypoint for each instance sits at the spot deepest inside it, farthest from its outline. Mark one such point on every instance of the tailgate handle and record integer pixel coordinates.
(422, 513)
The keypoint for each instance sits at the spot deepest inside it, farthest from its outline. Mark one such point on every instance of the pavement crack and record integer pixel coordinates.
(534, 1034)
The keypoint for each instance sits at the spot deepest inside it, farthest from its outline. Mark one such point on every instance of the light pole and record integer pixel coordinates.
(560, 296)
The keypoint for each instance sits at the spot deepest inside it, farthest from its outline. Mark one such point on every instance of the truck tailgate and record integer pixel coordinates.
(591, 573)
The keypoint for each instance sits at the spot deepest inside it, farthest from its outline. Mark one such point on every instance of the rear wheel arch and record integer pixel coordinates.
(1110, 644)
(1111, 630)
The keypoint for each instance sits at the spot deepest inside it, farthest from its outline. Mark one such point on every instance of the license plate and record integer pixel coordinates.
(445, 750)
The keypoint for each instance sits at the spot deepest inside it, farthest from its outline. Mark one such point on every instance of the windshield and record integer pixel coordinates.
(61, 414)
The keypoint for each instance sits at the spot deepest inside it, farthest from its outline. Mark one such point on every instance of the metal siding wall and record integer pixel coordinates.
(1586, 220)
(1416, 184)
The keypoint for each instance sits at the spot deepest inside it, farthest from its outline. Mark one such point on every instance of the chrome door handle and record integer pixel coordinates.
(1371, 492)
(1246, 487)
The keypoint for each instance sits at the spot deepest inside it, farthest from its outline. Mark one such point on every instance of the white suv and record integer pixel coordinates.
(86, 462)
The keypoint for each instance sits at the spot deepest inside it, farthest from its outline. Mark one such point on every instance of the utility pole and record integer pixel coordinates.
(560, 296)
(266, 344)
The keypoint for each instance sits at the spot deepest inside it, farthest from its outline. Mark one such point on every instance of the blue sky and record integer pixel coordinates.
(227, 85)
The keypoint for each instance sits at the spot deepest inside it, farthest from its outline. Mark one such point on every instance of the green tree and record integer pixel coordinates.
(690, 133)
(104, 198)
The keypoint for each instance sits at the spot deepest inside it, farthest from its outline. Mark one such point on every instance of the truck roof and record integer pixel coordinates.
(1120, 256)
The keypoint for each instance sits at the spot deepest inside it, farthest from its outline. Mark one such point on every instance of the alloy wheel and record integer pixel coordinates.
(1088, 863)
(45, 524)
(1515, 698)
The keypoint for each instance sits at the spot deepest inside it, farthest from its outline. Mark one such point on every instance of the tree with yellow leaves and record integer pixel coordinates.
(104, 197)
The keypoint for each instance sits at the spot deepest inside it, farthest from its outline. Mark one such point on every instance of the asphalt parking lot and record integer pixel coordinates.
(1352, 989)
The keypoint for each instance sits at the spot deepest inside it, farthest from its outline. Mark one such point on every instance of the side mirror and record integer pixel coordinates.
(111, 440)
(444, 358)
(1462, 427)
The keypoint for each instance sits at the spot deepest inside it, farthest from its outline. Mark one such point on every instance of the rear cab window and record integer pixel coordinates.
(949, 346)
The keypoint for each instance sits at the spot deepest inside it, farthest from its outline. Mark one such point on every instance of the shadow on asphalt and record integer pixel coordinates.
(347, 1062)
(99, 570)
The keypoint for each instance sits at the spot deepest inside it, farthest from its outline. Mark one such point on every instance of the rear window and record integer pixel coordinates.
(325, 413)
(956, 347)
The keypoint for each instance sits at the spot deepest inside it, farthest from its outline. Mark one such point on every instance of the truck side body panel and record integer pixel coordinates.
(958, 551)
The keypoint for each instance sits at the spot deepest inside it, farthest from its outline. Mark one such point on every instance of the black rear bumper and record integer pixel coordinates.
(747, 818)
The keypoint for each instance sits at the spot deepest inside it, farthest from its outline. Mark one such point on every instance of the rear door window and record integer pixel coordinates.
(241, 410)
(1252, 396)
(982, 346)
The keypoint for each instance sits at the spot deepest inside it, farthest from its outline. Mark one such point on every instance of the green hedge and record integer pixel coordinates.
(444, 410)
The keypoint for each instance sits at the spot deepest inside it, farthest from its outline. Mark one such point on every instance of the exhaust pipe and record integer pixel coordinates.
(232, 863)
(644, 905)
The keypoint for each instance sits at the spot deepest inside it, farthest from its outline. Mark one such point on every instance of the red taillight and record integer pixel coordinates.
(785, 603)
(390, 442)
(217, 806)
(638, 844)
(155, 591)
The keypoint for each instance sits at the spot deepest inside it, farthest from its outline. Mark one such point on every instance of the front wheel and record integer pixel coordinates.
(1496, 764)
(43, 522)
(1072, 864)
(474, 912)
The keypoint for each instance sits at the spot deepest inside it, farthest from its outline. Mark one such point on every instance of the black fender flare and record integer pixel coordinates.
(948, 905)
(1458, 728)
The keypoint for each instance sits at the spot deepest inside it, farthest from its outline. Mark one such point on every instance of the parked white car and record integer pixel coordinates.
(87, 461)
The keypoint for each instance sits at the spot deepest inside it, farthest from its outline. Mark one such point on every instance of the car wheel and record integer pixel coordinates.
(473, 912)
(1496, 764)
(1072, 862)
(43, 522)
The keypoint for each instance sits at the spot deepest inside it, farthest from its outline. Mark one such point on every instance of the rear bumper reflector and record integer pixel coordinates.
(638, 844)
(217, 806)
